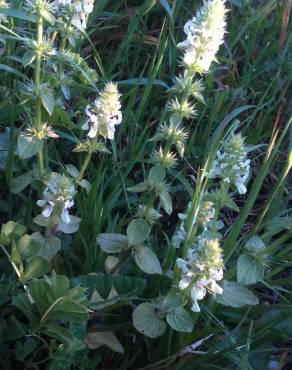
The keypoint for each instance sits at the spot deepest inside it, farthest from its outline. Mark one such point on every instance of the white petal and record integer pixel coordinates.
(65, 216)
(195, 307)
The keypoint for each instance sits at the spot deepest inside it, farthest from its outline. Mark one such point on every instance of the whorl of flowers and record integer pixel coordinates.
(3, 5)
(204, 36)
(231, 164)
(201, 270)
(58, 199)
(105, 113)
(75, 10)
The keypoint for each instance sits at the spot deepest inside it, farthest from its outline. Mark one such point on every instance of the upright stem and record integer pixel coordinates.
(84, 166)
(37, 80)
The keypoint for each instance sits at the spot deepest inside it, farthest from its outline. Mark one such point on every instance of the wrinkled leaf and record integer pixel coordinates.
(249, 271)
(112, 243)
(138, 231)
(147, 260)
(146, 321)
(236, 295)
(180, 320)
(95, 340)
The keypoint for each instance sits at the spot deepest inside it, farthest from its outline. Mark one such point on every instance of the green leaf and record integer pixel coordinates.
(139, 188)
(72, 170)
(156, 175)
(27, 247)
(48, 102)
(255, 245)
(147, 260)
(28, 57)
(64, 336)
(67, 309)
(138, 231)
(166, 201)
(21, 182)
(112, 243)
(13, 71)
(22, 302)
(36, 267)
(49, 246)
(41, 220)
(97, 339)
(28, 146)
(235, 295)
(180, 320)
(171, 300)
(85, 185)
(47, 16)
(20, 14)
(249, 271)
(13, 230)
(146, 321)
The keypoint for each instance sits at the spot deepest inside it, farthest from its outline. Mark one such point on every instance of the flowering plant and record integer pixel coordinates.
(138, 221)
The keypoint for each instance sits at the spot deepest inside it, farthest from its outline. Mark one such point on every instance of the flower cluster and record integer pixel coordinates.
(75, 10)
(201, 269)
(105, 114)
(231, 164)
(3, 5)
(204, 36)
(58, 200)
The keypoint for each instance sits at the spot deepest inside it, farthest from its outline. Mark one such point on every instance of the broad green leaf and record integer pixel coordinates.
(13, 230)
(36, 267)
(28, 146)
(41, 220)
(112, 243)
(147, 260)
(138, 231)
(255, 245)
(49, 246)
(27, 247)
(67, 309)
(64, 336)
(22, 302)
(235, 295)
(97, 339)
(72, 171)
(156, 175)
(24, 349)
(85, 185)
(249, 271)
(146, 321)
(21, 182)
(171, 300)
(166, 201)
(180, 320)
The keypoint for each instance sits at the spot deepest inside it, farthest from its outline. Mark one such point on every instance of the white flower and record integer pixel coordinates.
(3, 5)
(204, 36)
(179, 236)
(75, 10)
(105, 114)
(201, 270)
(198, 292)
(231, 164)
(58, 199)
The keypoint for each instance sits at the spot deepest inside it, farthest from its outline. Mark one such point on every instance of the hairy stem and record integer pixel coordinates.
(37, 80)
